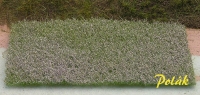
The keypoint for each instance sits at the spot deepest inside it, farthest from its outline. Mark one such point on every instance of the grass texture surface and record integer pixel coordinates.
(96, 52)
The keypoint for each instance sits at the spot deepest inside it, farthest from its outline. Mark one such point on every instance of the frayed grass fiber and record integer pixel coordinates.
(96, 52)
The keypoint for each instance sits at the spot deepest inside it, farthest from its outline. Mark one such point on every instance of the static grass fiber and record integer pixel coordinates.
(96, 52)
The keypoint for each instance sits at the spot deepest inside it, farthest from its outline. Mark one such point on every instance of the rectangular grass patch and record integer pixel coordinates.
(96, 52)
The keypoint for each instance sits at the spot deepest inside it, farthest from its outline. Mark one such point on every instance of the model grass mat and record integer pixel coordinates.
(96, 52)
